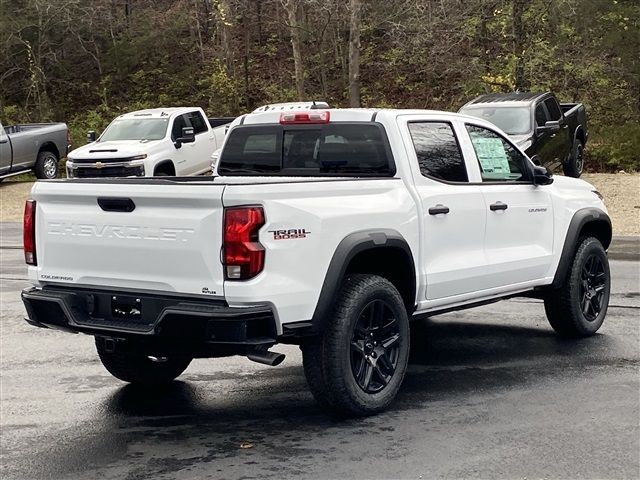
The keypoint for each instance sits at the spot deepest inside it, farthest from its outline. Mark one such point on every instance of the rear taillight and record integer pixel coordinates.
(68, 137)
(313, 116)
(29, 232)
(242, 252)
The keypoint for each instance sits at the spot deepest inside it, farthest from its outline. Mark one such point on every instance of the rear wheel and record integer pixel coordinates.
(357, 366)
(578, 307)
(575, 164)
(141, 369)
(46, 166)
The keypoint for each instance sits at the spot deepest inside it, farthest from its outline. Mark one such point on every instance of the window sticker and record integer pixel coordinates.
(492, 157)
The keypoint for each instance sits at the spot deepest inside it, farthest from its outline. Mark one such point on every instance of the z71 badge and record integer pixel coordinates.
(289, 234)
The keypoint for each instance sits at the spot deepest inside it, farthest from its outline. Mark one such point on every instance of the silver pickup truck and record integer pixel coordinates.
(34, 146)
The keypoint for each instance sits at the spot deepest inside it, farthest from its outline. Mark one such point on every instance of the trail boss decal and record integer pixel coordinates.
(289, 234)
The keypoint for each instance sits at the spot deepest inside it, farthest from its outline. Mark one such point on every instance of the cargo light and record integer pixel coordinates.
(292, 118)
(29, 232)
(242, 252)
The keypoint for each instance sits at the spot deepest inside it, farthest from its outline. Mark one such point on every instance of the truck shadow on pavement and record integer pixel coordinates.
(206, 420)
(448, 358)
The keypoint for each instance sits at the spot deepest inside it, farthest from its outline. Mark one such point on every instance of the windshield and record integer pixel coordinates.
(341, 149)
(512, 120)
(136, 129)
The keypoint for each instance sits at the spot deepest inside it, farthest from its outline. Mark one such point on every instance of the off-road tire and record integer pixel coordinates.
(329, 359)
(140, 369)
(565, 306)
(575, 164)
(46, 166)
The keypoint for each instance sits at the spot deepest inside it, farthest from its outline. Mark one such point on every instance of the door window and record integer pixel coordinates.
(197, 122)
(554, 109)
(438, 152)
(178, 124)
(499, 161)
(541, 115)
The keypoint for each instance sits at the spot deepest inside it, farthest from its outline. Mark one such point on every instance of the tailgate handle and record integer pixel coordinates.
(110, 204)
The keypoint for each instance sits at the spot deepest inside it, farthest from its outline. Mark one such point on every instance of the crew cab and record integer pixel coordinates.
(329, 229)
(154, 142)
(36, 147)
(552, 134)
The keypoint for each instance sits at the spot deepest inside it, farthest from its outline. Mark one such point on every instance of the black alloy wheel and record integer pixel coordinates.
(593, 287)
(375, 347)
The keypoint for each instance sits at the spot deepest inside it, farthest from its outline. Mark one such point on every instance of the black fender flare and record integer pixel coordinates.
(579, 128)
(580, 219)
(347, 249)
(162, 163)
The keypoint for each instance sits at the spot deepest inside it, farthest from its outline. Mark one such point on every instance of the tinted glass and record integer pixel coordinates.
(178, 124)
(136, 129)
(512, 120)
(310, 150)
(438, 152)
(197, 122)
(499, 161)
(553, 108)
(541, 116)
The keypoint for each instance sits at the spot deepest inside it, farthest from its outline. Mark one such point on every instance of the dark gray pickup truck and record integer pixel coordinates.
(552, 134)
(36, 147)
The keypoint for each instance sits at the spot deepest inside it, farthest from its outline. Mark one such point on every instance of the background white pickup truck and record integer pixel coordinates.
(161, 141)
(324, 228)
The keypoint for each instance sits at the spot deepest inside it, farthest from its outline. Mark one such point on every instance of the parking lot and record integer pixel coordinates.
(490, 393)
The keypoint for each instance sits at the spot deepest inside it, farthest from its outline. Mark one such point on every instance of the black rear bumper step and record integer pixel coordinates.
(131, 315)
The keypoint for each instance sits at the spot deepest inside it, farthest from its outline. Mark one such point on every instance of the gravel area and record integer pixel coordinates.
(620, 190)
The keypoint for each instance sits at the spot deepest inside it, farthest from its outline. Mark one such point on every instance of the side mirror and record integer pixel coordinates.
(188, 136)
(91, 136)
(542, 175)
(552, 126)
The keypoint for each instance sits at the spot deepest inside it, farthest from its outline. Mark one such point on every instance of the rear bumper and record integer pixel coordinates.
(161, 318)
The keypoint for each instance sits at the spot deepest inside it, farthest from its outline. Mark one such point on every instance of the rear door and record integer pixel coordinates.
(518, 242)
(169, 242)
(453, 213)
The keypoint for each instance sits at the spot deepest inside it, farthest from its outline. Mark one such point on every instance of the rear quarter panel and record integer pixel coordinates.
(325, 212)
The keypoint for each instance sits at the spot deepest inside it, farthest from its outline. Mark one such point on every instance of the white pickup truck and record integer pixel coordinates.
(330, 229)
(146, 143)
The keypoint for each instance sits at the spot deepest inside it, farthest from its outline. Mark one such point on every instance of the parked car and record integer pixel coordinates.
(36, 147)
(552, 134)
(329, 229)
(161, 141)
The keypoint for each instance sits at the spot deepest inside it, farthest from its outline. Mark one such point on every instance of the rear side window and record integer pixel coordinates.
(197, 122)
(338, 149)
(438, 152)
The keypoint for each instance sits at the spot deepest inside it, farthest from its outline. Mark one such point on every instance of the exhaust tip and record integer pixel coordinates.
(266, 357)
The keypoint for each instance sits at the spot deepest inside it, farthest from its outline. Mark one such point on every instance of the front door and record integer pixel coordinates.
(519, 228)
(5, 152)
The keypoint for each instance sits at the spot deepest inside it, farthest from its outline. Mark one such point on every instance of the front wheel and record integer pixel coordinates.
(575, 164)
(140, 369)
(46, 166)
(357, 365)
(578, 307)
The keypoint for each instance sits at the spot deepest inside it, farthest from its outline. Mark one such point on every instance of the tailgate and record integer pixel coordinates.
(169, 242)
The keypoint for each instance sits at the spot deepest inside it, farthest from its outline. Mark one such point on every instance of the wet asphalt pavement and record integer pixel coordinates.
(490, 393)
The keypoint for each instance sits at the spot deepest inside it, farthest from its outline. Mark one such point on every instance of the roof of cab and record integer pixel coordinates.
(158, 112)
(512, 97)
